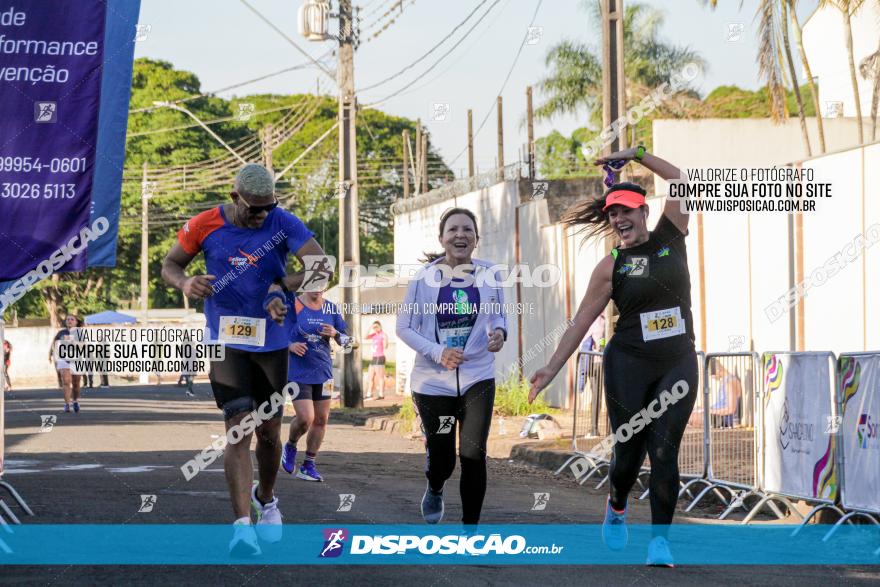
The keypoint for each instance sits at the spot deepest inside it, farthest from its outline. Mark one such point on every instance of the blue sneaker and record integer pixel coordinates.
(76, 407)
(308, 472)
(432, 506)
(659, 554)
(67, 408)
(288, 458)
(614, 532)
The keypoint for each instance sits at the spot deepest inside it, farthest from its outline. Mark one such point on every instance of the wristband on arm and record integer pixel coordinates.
(270, 296)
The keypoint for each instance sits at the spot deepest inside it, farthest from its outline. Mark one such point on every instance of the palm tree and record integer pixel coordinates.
(783, 26)
(774, 54)
(848, 8)
(814, 91)
(870, 69)
(575, 79)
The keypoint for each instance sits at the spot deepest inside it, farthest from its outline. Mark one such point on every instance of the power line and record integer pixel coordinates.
(454, 62)
(504, 84)
(375, 9)
(431, 50)
(288, 39)
(397, 4)
(442, 57)
(232, 87)
(388, 24)
(215, 121)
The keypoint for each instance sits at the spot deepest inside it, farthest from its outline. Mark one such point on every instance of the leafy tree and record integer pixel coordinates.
(574, 83)
(187, 171)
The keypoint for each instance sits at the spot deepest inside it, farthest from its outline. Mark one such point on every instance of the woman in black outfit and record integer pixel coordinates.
(652, 349)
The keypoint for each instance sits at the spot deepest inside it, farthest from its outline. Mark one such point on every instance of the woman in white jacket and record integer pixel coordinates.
(453, 317)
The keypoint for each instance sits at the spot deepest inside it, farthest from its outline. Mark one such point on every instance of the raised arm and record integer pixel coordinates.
(310, 252)
(594, 302)
(666, 171)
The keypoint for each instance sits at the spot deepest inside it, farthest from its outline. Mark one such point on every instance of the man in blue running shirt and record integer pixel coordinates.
(246, 243)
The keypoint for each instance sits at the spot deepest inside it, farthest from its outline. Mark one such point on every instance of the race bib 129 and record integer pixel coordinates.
(242, 330)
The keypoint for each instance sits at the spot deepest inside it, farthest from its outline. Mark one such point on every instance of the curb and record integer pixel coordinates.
(541, 454)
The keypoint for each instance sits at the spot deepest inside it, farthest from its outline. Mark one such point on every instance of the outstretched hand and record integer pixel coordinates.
(539, 381)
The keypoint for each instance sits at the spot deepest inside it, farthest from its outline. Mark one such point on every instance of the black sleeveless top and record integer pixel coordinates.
(651, 287)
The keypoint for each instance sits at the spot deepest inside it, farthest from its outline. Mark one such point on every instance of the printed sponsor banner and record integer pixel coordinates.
(799, 451)
(859, 393)
(513, 544)
(65, 82)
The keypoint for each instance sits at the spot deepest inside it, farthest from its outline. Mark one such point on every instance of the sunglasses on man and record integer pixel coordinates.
(254, 210)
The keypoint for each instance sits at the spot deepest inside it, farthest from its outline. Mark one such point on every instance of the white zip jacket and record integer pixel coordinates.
(418, 330)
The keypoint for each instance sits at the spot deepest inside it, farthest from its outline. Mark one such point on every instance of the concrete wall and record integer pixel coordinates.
(746, 142)
(30, 354)
(747, 257)
(416, 232)
(825, 44)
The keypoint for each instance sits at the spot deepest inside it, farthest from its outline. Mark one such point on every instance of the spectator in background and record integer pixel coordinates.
(88, 378)
(7, 357)
(725, 410)
(377, 364)
(726, 391)
(69, 382)
(594, 341)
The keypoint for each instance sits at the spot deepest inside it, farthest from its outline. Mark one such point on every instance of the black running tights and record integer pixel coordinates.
(472, 413)
(631, 384)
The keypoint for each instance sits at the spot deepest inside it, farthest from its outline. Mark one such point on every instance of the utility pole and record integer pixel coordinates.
(470, 142)
(498, 109)
(349, 214)
(145, 245)
(417, 180)
(405, 164)
(268, 147)
(425, 162)
(614, 99)
(530, 117)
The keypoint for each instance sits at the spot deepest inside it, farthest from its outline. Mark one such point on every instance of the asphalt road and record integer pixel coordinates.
(92, 468)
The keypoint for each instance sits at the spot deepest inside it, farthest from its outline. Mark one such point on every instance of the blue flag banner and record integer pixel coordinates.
(65, 83)
(511, 544)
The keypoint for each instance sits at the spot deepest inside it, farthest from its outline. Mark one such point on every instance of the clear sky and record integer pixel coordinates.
(224, 43)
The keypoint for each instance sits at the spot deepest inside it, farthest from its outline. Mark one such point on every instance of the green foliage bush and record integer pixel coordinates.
(512, 398)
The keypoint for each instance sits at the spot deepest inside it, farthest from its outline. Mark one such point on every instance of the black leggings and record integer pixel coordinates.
(631, 383)
(473, 414)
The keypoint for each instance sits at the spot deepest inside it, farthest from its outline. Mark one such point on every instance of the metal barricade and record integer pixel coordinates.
(730, 417)
(773, 379)
(693, 452)
(855, 401)
(590, 424)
